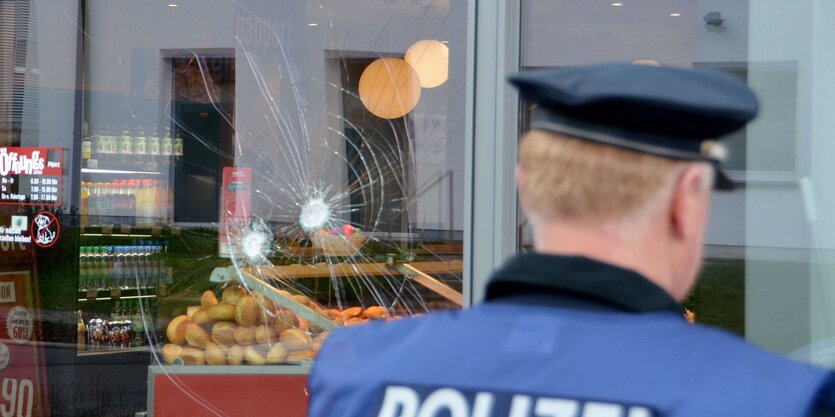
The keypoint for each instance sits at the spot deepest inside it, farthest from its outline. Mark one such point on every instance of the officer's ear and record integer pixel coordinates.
(689, 201)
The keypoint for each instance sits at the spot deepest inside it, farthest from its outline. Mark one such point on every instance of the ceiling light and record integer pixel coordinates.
(445, 42)
(675, 14)
(617, 4)
(172, 5)
(430, 59)
(313, 24)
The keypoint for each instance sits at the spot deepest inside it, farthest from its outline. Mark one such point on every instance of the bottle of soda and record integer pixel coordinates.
(111, 140)
(178, 146)
(84, 271)
(98, 143)
(110, 272)
(86, 149)
(126, 146)
(167, 144)
(140, 146)
(154, 147)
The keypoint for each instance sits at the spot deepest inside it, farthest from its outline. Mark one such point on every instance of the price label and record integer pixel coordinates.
(18, 398)
(124, 229)
(107, 229)
(115, 293)
(156, 231)
(92, 294)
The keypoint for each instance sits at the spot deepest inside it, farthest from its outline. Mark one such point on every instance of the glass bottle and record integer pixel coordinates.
(81, 334)
(86, 149)
(140, 146)
(85, 202)
(178, 146)
(167, 144)
(98, 143)
(154, 150)
(126, 146)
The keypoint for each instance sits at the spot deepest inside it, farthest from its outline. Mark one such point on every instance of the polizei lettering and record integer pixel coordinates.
(402, 401)
(21, 164)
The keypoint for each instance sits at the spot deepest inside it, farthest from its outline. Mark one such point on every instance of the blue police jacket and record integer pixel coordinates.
(578, 349)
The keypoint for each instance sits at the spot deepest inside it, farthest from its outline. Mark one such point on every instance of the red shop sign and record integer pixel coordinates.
(31, 176)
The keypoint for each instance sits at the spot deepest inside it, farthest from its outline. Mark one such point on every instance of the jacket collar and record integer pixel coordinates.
(576, 282)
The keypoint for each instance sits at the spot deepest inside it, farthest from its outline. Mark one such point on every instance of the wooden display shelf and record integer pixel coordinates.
(419, 272)
(325, 270)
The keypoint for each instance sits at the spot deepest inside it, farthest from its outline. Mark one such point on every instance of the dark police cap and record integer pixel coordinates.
(670, 112)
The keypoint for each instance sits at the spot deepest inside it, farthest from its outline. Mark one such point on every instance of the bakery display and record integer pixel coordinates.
(249, 328)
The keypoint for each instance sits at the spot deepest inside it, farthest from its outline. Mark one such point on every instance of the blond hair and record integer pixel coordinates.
(563, 177)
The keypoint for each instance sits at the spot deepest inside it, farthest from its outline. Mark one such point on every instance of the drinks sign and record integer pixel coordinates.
(31, 176)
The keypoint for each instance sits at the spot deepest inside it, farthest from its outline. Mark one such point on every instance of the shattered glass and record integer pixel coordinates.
(285, 207)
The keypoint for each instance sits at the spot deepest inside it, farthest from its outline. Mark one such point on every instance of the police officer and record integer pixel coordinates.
(615, 177)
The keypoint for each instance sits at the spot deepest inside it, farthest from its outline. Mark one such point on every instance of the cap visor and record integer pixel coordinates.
(722, 182)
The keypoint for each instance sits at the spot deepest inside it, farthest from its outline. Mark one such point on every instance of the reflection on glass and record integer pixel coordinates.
(239, 179)
(768, 248)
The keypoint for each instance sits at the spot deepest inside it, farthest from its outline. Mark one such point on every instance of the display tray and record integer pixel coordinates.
(231, 391)
(108, 352)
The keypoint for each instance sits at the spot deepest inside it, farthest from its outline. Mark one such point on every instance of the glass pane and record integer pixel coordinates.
(219, 183)
(768, 268)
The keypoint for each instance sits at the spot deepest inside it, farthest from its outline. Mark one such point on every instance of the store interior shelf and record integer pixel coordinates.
(128, 230)
(114, 351)
(421, 277)
(128, 297)
(118, 171)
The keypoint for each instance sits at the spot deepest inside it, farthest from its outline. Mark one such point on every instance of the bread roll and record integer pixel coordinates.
(321, 338)
(285, 320)
(264, 335)
(223, 332)
(303, 324)
(202, 318)
(332, 314)
(354, 321)
(301, 356)
(253, 356)
(277, 354)
(235, 355)
(222, 312)
(191, 310)
(196, 336)
(351, 312)
(246, 311)
(294, 339)
(375, 313)
(208, 299)
(215, 354)
(232, 294)
(193, 356)
(176, 331)
(266, 308)
(244, 335)
(301, 299)
(171, 352)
